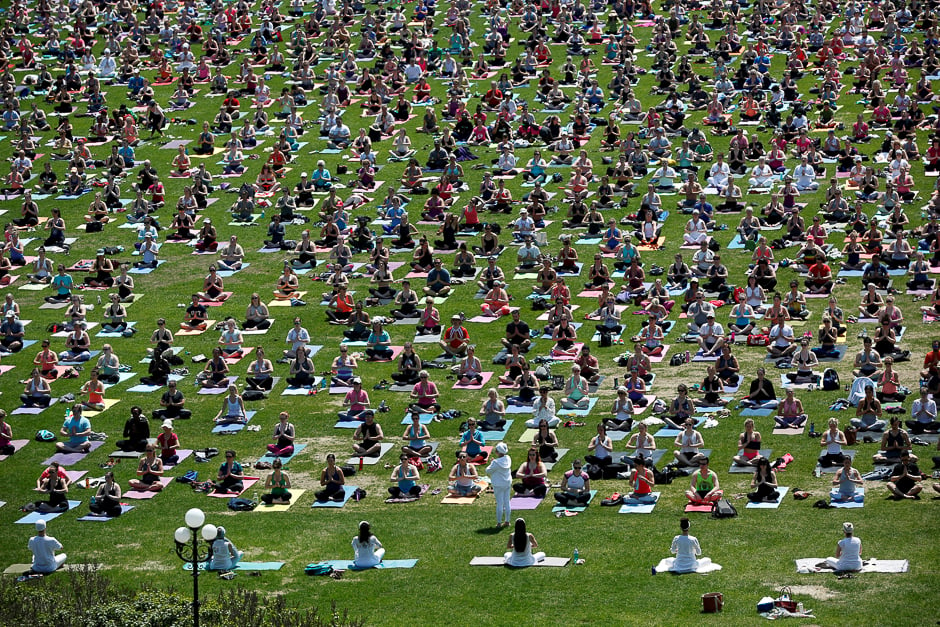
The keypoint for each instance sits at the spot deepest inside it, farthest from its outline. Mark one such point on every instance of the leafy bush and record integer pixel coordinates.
(90, 599)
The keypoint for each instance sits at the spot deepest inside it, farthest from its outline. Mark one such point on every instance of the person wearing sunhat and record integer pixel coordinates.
(455, 339)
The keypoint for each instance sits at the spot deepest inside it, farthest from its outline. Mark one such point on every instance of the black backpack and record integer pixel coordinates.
(677, 360)
(830, 379)
(723, 509)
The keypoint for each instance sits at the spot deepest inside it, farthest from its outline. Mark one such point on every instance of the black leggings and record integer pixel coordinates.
(268, 499)
(397, 492)
(539, 491)
(566, 499)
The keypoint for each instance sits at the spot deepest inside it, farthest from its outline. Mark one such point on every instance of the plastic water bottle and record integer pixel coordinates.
(812, 428)
(255, 497)
(360, 463)
(574, 558)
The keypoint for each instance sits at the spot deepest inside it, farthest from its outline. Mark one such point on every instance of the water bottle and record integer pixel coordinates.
(255, 497)
(360, 463)
(574, 558)
(812, 428)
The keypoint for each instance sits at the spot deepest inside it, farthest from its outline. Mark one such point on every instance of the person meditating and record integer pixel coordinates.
(687, 551)
(848, 553)
(279, 485)
(43, 548)
(367, 548)
(704, 488)
(521, 543)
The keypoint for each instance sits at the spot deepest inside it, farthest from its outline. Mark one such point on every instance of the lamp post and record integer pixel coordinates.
(188, 549)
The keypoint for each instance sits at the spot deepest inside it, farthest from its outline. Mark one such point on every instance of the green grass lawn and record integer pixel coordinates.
(613, 586)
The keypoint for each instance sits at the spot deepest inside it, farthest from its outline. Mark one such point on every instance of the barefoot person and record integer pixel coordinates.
(687, 551)
(521, 543)
(848, 553)
(704, 488)
(44, 549)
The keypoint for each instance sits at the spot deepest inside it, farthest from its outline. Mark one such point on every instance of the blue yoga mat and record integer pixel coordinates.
(562, 508)
(750, 411)
(242, 566)
(425, 419)
(347, 489)
(90, 518)
(348, 564)
(270, 458)
(34, 517)
(578, 412)
(234, 426)
(496, 436)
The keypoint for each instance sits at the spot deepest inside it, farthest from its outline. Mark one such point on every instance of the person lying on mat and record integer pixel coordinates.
(149, 471)
(332, 480)
(847, 481)
(367, 549)
(704, 485)
(367, 440)
(521, 543)
(463, 477)
(223, 555)
(575, 488)
(404, 479)
(279, 485)
(686, 550)
(230, 478)
(848, 552)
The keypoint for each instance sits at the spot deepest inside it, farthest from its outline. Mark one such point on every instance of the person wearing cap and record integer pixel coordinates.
(12, 332)
(169, 443)
(500, 472)
(455, 338)
(848, 552)
(44, 549)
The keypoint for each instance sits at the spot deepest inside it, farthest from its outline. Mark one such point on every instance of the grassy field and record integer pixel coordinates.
(614, 585)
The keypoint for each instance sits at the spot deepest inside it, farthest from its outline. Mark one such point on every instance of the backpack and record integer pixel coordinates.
(253, 395)
(190, 477)
(830, 379)
(758, 340)
(677, 360)
(713, 245)
(606, 339)
(45, 436)
(237, 504)
(723, 509)
(318, 569)
(433, 463)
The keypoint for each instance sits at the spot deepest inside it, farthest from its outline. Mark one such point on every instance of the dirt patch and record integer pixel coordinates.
(820, 593)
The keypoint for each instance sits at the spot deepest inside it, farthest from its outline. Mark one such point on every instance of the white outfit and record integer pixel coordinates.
(500, 474)
(761, 176)
(687, 550)
(696, 231)
(720, 172)
(851, 555)
(547, 412)
(44, 558)
(368, 554)
(805, 177)
(526, 558)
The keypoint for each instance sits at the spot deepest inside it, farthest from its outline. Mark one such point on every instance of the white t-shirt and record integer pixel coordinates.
(686, 549)
(365, 552)
(44, 548)
(851, 554)
(777, 335)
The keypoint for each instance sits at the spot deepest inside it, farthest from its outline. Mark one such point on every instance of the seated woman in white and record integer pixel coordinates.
(848, 552)
(695, 230)
(369, 551)
(224, 554)
(521, 543)
(687, 551)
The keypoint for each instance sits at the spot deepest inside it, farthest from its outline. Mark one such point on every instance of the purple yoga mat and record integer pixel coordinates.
(67, 459)
(524, 502)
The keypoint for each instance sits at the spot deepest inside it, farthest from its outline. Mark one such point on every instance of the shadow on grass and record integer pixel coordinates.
(488, 531)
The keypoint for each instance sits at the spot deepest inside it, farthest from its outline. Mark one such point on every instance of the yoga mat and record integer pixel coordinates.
(268, 457)
(705, 509)
(773, 505)
(17, 445)
(831, 470)
(449, 499)
(67, 459)
(240, 566)
(141, 495)
(34, 517)
(797, 431)
(347, 494)
(560, 452)
(644, 508)
(91, 518)
(233, 427)
(108, 404)
(840, 348)
(500, 561)
(424, 419)
(305, 390)
(666, 563)
(754, 413)
(748, 470)
(347, 424)
(220, 389)
(655, 456)
(673, 433)
(294, 497)
(849, 504)
(475, 386)
(578, 412)
(524, 503)
(248, 482)
(498, 435)
(808, 565)
(384, 564)
(371, 461)
(562, 508)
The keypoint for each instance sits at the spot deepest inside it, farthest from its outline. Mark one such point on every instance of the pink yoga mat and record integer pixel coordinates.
(475, 386)
(140, 495)
(248, 482)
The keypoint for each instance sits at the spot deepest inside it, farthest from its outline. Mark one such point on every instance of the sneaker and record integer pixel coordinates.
(623, 475)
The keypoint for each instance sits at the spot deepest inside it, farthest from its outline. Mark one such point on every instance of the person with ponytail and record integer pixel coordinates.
(521, 543)
(369, 551)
